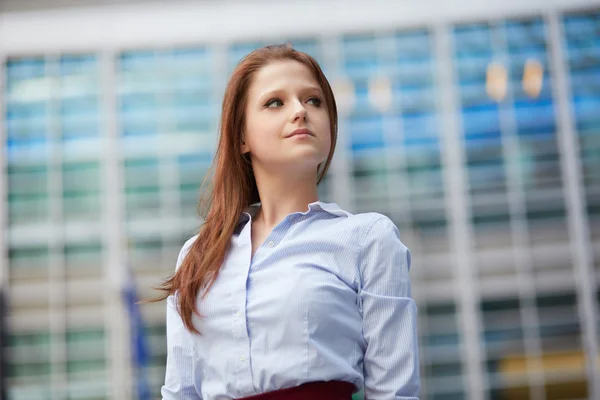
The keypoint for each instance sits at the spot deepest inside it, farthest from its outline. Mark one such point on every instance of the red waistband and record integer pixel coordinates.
(331, 390)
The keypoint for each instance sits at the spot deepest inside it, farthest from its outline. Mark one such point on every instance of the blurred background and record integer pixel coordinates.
(473, 124)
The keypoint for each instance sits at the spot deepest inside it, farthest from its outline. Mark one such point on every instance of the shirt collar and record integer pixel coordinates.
(331, 208)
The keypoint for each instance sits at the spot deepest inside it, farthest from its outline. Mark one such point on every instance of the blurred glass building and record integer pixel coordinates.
(474, 126)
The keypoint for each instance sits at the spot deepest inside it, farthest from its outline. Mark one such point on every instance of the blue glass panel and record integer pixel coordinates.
(545, 95)
(413, 44)
(77, 111)
(25, 68)
(473, 67)
(359, 46)
(25, 121)
(361, 68)
(481, 120)
(308, 46)
(419, 125)
(361, 97)
(192, 82)
(138, 108)
(239, 50)
(535, 117)
(188, 57)
(586, 82)
(141, 173)
(473, 38)
(415, 71)
(137, 60)
(77, 64)
(582, 39)
(582, 28)
(525, 33)
(415, 98)
(366, 132)
(473, 94)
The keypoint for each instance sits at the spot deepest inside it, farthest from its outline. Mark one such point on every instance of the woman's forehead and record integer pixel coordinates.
(283, 74)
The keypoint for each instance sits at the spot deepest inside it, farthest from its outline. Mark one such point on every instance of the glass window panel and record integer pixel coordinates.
(366, 132)
(239, 50)
(472, 38)
(31, 356)
(525, 33)
(361, 46)
(413, 43)
(30, 369)
(28, 259)
(309, 46)
(142, 201)
(81, 190)
(419, 127)
(23, 68)
(190, 58)
(78, 64)
(83, 258)
(86, 344)
(582, 33)
(79, 111)
(136, 60)
(145, 254)
(415, 98)
(27, 120)
(535, 118)
(415, 71)
(324, 189)
(192, 171)
(141, 173)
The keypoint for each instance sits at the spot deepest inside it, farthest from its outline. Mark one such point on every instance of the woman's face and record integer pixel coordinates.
(287, 126)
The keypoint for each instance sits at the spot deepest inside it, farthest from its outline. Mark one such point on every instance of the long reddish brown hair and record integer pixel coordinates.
(232, 187)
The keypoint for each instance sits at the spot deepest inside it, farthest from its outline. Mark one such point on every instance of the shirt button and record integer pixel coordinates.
(237, 314)
(271, 243)
(242, 358)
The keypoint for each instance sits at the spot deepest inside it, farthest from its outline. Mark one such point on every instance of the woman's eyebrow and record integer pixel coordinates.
(312, 88)
(269, 93)
(277, 92)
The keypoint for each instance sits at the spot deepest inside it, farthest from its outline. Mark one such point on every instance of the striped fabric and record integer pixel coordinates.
(326, 297)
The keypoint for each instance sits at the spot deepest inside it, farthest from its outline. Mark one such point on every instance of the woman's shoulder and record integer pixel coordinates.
(364, 219)
(185, 249)
(371, 224)
(376, 225)
(368, 220)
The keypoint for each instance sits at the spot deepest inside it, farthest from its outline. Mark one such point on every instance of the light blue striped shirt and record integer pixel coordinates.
(326, 297)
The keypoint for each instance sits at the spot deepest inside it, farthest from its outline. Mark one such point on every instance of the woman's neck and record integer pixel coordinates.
(280, 197)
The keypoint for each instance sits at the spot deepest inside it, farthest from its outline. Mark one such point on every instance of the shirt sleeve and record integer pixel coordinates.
(180, 380)
(389, 315)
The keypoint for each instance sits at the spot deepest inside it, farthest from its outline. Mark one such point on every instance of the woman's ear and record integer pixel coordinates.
(244, 147)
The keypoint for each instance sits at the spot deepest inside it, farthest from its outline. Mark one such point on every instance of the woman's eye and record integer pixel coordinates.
(274, 103)
(315, 101)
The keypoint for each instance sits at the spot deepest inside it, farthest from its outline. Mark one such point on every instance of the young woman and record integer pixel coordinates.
(282, 296)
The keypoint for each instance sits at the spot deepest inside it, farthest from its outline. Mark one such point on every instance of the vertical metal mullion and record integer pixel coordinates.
(4, 227)
(56, 273)
(578, 227)
(167, 160)
(419, 273)
(219, 69)
(519, 229)
(340, 171)
(458, 212)
(391, 131)
(115, 318)
(3, 181)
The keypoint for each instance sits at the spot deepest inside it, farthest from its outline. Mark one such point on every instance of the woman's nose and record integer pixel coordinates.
(299, 111)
